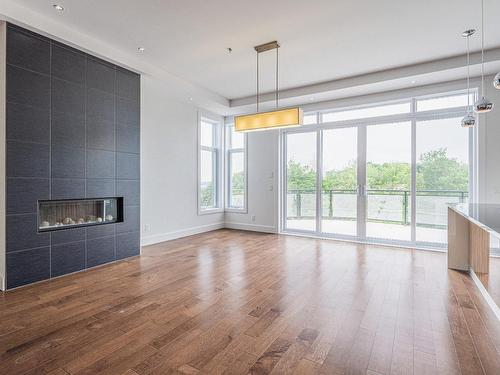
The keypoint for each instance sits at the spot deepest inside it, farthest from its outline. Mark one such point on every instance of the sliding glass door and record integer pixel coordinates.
(384, 179)
(442, 175)
(301, 181)
(339, 193)
(388, 181)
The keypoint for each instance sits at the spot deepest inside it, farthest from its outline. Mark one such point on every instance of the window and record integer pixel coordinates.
(236, 169)
(209, 167)
(366, 112)
(382, 173)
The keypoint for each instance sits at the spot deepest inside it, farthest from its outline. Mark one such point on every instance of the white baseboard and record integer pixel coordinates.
(150, 240)
(251, 227)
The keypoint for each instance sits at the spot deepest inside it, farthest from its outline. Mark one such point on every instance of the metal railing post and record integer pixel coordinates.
(405, 208)
(299, 204)
(330, 204)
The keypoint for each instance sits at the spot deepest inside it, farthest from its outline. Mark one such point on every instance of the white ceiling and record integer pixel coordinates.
(322, 40)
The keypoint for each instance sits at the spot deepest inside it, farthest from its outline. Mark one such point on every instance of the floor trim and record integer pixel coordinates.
(485, 294)
(162, 237)
(367, 242)
(251, 227)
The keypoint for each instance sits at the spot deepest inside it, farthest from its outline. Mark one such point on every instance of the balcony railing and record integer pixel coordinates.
(385, 206)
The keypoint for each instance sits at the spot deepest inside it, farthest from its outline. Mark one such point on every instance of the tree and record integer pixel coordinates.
(341, 179)
(391, 176)
(436, 171)
(300, 177)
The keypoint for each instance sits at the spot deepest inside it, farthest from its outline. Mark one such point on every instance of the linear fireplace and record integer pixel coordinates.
(71, 213)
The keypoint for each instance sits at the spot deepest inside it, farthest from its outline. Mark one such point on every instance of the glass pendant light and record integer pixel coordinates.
(469, 119)
(496, 81)
(483, 105)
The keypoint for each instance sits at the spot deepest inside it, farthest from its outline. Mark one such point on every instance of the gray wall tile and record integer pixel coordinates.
(100, 105)
(22, 233)
(23, 194)
(127, 166)
(68, 162)
(128, 84)
(27, 267)
(68, 188)
(67, 235)
(101, 231)
(131, 219)
(28, 124)
(130, 191)
(100, 164)
(100, 134)
(67, 258)
(29, 88)
(127, 112)
(28, 51)
(67, 130)
(100, 76)
(68, 122)
(100, 187)
(127, 245)
(68, 97)
(100, 251)
(68, 64)
(27, 159)
(128, 138)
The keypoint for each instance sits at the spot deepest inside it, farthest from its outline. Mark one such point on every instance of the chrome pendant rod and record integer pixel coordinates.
(277, 75)
(257, 82)
(482, 48)
(468, 74)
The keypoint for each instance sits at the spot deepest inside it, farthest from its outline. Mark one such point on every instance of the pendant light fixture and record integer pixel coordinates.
(496, 81)
(469, 119)
(483, 105)
(279, 118)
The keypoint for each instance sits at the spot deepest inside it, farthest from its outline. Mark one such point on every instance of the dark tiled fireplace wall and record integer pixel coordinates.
(72, 132)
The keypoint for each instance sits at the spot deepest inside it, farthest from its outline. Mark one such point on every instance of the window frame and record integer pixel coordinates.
(414, 116)
(217, 162)
(229, 151)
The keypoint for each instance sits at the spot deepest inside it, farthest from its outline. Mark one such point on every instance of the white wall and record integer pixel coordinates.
(262, 156)
(169, 136)
(489, 150)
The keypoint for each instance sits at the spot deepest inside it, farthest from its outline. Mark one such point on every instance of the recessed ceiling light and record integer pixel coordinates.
(141, 49)
(191, 99)
(413, 82)
(58, 7)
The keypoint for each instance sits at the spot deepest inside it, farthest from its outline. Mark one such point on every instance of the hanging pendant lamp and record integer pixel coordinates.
(483, 105)
(496, 81)
(469, 119)
(279, 118)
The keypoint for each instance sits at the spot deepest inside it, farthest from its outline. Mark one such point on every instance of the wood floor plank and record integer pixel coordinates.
(233, 302)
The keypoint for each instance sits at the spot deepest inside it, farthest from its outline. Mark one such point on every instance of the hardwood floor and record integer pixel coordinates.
(232, 302)
(491, 280)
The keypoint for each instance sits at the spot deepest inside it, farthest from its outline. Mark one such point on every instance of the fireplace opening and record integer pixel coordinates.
(71, 213)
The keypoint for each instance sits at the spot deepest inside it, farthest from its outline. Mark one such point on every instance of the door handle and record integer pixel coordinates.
(361, 190)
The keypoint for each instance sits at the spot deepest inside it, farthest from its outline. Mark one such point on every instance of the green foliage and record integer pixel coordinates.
(207, 195)
(435, 171)
(391, 176)
(238, 181)
(300, 177)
